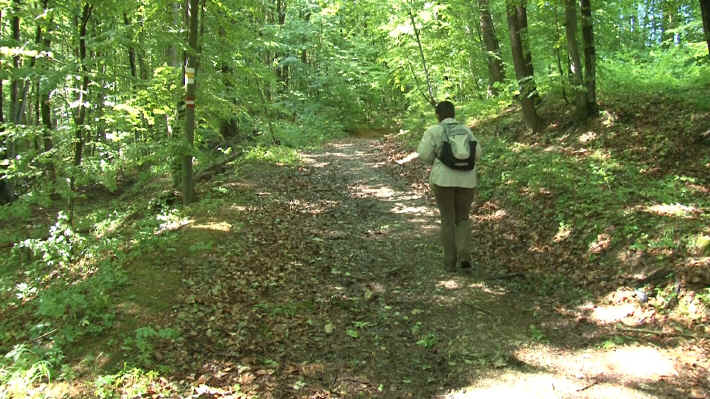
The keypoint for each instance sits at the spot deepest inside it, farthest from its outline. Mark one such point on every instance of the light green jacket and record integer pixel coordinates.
(442, 175)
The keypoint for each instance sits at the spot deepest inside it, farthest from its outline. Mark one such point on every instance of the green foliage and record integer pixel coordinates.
(273, 154)
(58, 249)
(126, 383)
(80, 309)
(142, 345)
(20, 369)
(678, 74)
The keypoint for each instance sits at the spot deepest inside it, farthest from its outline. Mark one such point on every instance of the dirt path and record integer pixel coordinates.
(335, 289)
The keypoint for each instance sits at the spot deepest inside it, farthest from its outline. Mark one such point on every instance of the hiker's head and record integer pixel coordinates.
(445, 109)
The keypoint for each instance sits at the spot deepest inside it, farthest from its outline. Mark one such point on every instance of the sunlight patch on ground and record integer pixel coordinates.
(677, 210)
(622, 308)
(493, 217)
(601, 244)
(668, 210)
(626, 365)
(563, 232)
(411, 210)
(215, 226)
(610, 314)
(516, 384)
(448, 284)
(171, 224)
(488, 290)
(587, 137)
(376, 191)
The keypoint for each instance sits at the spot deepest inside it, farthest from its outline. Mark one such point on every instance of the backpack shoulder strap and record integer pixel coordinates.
(447, 130)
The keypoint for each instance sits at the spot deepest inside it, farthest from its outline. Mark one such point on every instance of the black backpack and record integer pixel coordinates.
(458, 149)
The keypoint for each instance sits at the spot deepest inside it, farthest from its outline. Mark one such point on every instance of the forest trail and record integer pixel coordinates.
(331, 286)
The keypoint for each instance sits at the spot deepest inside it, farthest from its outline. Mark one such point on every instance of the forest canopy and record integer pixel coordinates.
(94, 91)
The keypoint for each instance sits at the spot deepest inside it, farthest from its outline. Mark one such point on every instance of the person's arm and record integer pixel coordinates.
(410, 157)
(426, 147)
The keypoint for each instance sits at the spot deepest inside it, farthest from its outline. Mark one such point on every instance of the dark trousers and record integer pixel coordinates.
(454, 205)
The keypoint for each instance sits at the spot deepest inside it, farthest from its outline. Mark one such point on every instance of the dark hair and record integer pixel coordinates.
(445, 109)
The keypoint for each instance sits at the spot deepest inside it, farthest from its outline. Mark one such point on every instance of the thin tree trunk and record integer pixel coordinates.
(173, 121)
(228, 126)
(191, 66)
(281, 70)
(131, 49)
(590, 59)
(80, 115)
(432, 96)
(2, 92)
(45, 114)
(171, 52)
(558, 55)
(705, 11)
(496, 73)
(575, 59)
(15, 83)
(6, 186)
(5, 192)
(522, 60)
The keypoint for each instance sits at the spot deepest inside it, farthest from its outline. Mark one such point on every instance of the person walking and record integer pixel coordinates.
(454, 185)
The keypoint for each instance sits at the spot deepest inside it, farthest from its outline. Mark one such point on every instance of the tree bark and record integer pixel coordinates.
(575, 60)
(2, 90)
(45, 110)
(5, 192)
(191, 66)
(558, 56)
(281, 70)
(15, 83)
(496, 73)
(131, 49)
(590, 59)
(228, 125)
(705, 11)
(522, 60)
(80, 115)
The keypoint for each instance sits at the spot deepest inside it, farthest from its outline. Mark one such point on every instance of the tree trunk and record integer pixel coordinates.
(131, 49)
(5, 192)
(15, 83)
(281, 70)
(45, 114)
(575, 60)
(191, 65)
(229, 126)
(558, 56)
(2, 92)
(496, 73)
(80, 115)
(590, 59)
(522, 60)
(705, 10)
(171, 52)
(432, 95)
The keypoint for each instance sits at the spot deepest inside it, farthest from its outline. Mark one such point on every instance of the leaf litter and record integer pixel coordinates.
(331, 287)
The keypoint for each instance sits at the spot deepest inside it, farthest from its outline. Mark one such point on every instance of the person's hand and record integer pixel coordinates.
(412, 156)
